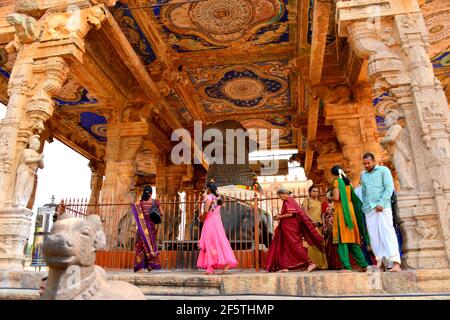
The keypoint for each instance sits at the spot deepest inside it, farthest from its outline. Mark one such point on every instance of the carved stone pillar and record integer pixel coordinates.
(393, 36)
(97, 174)
(355, 127)
(23, 120)
(122, 146)
(43, 48)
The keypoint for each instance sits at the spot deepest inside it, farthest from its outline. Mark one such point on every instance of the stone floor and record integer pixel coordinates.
(238, 284)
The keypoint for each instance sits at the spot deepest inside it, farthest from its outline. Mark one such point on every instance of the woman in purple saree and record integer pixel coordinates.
(146, 248)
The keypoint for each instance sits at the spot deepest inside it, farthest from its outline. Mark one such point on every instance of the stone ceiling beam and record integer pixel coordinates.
(127, 54)
(313, 117)
(150, 27)
(302, 23)
(190, 98)
(321, 20)
(234, 56)
(91, 76)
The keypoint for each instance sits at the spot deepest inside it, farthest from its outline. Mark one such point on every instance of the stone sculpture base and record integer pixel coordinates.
(423, 240)
(15, 224)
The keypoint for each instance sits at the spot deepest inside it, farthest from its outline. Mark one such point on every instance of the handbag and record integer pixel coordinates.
(155, 215)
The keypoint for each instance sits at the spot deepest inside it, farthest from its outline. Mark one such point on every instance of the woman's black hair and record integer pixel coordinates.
(335, 172)
(213, 188)
(147, 193)
(312, 187)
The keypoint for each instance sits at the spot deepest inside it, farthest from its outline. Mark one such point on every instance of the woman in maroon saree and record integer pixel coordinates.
(146, 248)
(286, 251)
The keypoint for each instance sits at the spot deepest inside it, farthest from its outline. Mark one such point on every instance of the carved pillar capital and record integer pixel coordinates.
(53, 72)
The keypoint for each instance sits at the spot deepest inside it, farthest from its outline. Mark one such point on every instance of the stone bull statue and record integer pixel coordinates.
(69, 251)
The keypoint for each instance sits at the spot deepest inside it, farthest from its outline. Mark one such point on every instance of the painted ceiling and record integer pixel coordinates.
(94, 124)
(133, 33)
(217, 24)
(226, 88)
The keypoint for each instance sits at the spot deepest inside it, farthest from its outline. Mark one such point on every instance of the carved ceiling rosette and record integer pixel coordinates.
(221, 23)
(244, 87)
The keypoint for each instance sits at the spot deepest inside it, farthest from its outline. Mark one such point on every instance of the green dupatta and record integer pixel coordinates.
(357, 205)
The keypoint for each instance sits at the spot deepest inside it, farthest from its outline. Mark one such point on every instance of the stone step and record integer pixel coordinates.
(320, 283)
(180, 291)
(245, 283)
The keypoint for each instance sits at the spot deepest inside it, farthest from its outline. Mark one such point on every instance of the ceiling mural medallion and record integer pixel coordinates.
(224, 89)
(222, 17)
(243, 87)
(217, 24)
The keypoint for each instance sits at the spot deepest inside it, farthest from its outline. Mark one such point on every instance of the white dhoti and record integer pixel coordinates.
(383, 239)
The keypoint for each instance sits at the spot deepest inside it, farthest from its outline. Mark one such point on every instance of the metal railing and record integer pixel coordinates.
(247, 218)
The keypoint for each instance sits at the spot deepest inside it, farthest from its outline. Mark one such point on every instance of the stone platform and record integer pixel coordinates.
(408, 284)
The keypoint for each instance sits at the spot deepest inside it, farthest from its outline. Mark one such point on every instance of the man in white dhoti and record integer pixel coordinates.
(377, 188)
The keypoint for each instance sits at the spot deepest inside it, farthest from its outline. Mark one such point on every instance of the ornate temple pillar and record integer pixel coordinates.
(41, 68)
(393, 37)
(123, 143)
(97, 174)
(23, 123)
(356, 129)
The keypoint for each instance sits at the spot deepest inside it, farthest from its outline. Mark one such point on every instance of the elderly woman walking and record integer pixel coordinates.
(286, 251)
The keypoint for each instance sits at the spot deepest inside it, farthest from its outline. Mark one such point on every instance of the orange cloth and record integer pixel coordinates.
(339, 228)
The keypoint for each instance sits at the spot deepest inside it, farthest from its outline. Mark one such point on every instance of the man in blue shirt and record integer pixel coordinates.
(377, 188)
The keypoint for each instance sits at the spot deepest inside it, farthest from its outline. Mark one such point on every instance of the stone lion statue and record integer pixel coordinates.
(69, 251)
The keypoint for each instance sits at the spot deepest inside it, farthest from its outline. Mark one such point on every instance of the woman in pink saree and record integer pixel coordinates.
(215, 249)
